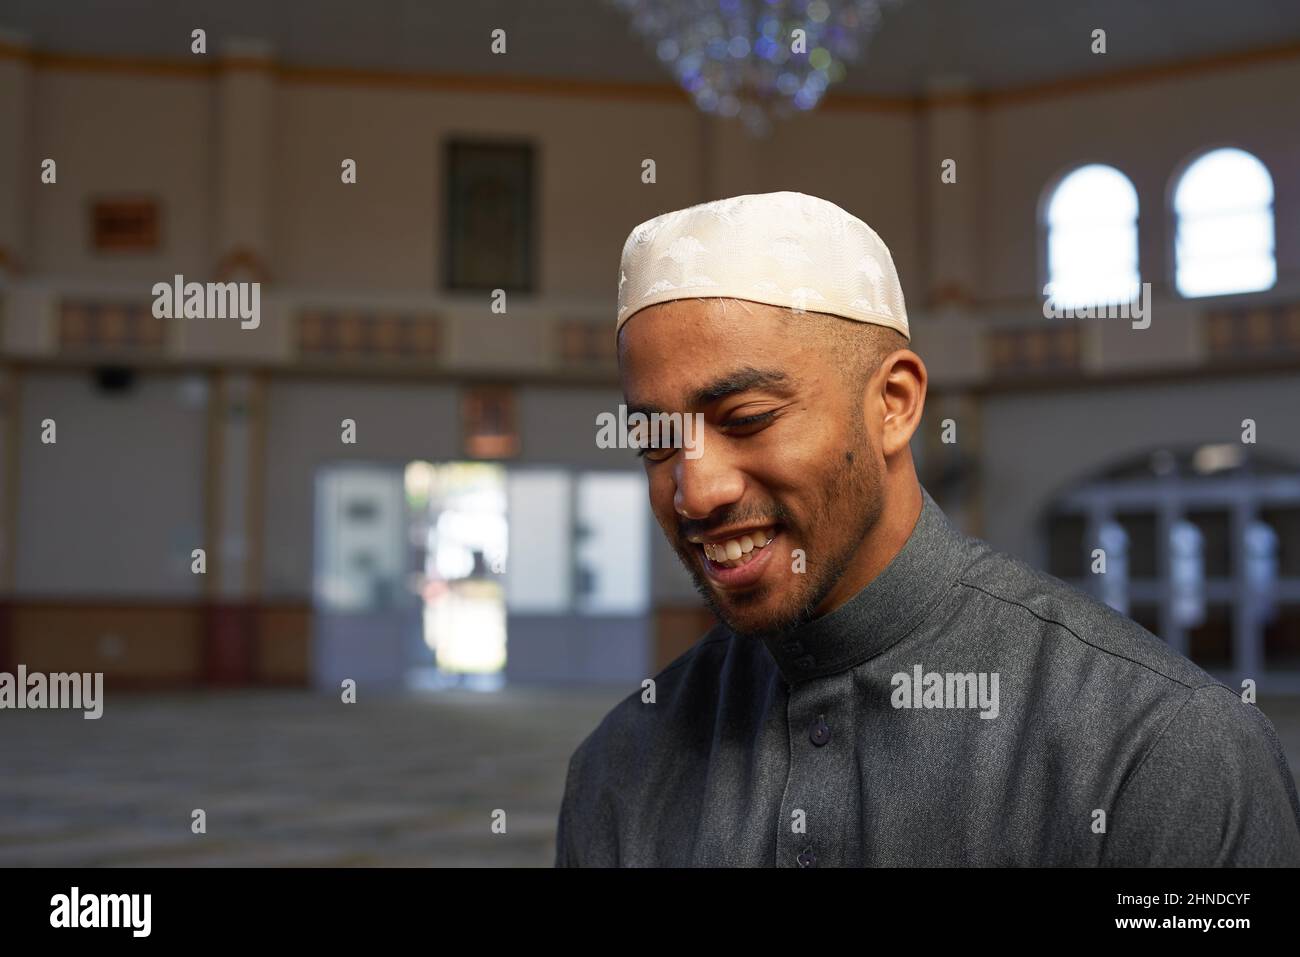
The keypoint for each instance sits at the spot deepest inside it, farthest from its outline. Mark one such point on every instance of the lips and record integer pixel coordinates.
(754, 551)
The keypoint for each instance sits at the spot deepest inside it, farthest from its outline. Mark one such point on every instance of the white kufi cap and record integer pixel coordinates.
(784, 249)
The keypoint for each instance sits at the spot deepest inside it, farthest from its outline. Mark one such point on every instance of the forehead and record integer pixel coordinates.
(672, 349)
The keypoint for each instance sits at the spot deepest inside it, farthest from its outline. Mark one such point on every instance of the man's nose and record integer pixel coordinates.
(705, 484)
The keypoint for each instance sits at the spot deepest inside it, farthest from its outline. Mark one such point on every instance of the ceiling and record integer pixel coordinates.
(992, 44)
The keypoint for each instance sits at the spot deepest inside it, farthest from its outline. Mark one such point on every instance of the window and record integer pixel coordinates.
(1092, 245)
(491, 217)
(1223, 209)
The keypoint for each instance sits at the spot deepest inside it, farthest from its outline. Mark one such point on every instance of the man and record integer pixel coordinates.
(881, 689)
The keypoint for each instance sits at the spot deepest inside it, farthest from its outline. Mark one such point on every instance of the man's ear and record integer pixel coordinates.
(902, 381)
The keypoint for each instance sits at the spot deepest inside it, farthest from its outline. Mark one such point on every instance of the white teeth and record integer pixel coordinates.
(737, 551)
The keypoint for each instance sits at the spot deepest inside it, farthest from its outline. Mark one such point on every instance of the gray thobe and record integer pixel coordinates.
(875, 735)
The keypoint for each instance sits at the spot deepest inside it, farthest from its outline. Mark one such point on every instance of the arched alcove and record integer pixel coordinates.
(1200, 545)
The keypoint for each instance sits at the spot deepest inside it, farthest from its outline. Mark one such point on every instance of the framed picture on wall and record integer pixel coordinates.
(490, 424)
(490, 221)
(125, 224)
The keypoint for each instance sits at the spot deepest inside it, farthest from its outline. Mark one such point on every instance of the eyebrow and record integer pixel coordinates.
(742, 380)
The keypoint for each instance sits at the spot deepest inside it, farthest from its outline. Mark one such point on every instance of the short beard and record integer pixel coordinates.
(855, 483)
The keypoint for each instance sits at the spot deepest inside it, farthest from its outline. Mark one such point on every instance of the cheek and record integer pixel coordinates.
(662, 490)
(807, 476)
(807, 458)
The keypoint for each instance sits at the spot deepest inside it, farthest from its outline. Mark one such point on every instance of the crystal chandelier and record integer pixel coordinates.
(744, 58)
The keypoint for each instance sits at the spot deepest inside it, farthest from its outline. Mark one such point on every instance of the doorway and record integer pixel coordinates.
(422, 571)
(458, 538)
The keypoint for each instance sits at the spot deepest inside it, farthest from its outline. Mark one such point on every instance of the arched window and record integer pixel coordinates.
(1223, 207)
(1092, 244)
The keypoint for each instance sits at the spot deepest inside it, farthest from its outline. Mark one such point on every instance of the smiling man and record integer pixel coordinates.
(880, 689)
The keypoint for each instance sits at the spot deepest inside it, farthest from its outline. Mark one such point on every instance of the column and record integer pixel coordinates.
(19, 171)
(233, 525)
(245, 102)
(950, 132)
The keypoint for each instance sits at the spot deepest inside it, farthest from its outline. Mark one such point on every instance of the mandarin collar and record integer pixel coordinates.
(882, 612)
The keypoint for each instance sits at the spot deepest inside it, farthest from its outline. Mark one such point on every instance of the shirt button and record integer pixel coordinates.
(807, 858)
(821, 731)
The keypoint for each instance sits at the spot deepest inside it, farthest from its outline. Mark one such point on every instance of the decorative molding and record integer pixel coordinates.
(459, 83)
(842, 101)
(1252, 332)
(462, 83)
(653, 92)
(1143, 75)
(88, 325)
(585, 343)
(360, 335)
(1037, 351)
(243, 258)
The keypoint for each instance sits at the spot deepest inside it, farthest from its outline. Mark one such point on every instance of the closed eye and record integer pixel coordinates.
(655, 454)
(759, 419)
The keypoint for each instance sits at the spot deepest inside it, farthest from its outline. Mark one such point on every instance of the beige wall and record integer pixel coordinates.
(116, 134)
(112, 133)
(1148, 131)
(115, 506)
(1037, 446)
(865, 162)
(385, 233)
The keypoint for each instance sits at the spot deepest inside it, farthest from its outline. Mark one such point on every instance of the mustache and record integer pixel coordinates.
(777, 515)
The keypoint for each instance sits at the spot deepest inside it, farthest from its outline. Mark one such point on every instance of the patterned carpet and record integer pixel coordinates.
(291, 778)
